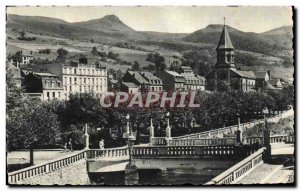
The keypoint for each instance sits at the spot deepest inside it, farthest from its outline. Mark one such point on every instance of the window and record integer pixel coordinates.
(83, 71)
(75, 80)
(58, 84)
(75, 71)
(53, 94)
(84, 80)
(93, 81)
(70, 80)
(65, 80)
(70, 88)
(80, 89)
(59, 94)
(66, 88)
(88, 71)
(228, 58)
(48, 94)
(79, 71)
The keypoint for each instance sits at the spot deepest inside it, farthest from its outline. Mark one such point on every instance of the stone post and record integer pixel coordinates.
(87, 138)
(266, 140)
(127, 126)
(168, 129)
(151, 133)
(239, 136)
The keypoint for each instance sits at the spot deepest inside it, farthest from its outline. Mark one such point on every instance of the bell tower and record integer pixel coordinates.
(225, 50)
(225, 62)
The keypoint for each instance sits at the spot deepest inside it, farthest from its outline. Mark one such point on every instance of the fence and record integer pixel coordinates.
(238, 171)
(273, 139)
(190, 151)
(231, 129)
(108, 153)
(47, 167)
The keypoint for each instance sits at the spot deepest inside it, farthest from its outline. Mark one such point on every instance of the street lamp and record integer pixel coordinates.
(130, 138)
(168, 129)
(87, 137)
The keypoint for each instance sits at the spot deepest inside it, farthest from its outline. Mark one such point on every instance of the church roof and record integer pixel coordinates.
(225, 42)
(260, 74)
(245, 74)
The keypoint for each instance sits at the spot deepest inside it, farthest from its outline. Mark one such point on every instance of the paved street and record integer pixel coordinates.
(16, 157)
(279, 169)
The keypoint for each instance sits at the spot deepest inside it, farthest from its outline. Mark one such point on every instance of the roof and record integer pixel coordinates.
(44, 74)
(129, 85)
(27, 53)
(172, 73)
(138, 77)
(275, 83)
(225, 42)
(260, 74)
(245, 74)
(152, 78)
(268, 86)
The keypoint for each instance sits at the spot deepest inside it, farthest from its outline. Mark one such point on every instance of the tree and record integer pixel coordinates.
(62, 52)
(158, 60)
(31, 126)
(135, 66)
(95, 51)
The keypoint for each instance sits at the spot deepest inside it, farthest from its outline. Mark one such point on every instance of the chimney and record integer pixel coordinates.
(269, 73)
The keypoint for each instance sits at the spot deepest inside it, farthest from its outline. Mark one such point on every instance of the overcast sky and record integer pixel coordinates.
(172, 19)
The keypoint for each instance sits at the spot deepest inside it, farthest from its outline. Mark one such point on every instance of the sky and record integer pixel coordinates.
(172, 19)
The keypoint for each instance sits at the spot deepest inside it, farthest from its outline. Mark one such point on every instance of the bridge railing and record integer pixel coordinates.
(158, 141)
(231, 129)
(43, 168)
(108, 153)
(237, 171)
(182, 151)
(273, 139)
(203, 141)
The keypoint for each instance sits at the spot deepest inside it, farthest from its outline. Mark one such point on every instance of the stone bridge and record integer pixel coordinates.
(200, 146)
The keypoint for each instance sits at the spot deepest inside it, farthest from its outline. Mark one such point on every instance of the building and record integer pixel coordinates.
(15, 73)
(172, 81)
(136, 78)
(225, 75)
(112, 83)
(261, 78)
(27, 57)
(77, 77)
(192, 81)
(46, 86)
(154, 83)
(276, 83)
(129, 87)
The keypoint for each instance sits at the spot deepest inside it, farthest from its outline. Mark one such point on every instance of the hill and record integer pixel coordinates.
(268, 43)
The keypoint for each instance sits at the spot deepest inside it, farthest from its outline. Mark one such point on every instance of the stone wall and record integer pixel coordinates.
(73, 174)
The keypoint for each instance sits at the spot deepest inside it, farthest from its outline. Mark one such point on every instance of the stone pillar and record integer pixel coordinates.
(151, 133)
(127, 129)
(266, 140)
(168, 131)
(239, 135)
(87, 138)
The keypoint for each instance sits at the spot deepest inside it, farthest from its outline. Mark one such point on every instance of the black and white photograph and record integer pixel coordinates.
(150, 96)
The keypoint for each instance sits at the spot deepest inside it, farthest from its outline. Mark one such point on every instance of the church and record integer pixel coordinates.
(225, 75)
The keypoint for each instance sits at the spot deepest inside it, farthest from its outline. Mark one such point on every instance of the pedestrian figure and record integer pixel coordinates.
(101, 144)
(66, 147)
(70, 145)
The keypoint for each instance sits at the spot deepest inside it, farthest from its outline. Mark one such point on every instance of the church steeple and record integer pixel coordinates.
(225, 50)
(225, 42)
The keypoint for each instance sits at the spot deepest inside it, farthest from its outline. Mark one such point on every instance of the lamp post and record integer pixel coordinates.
(168, 129)
(87, 137)
(130, 138)
(151, 133)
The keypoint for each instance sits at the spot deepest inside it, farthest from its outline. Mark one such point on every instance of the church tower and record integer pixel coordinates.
(225, 51)
(225, 62)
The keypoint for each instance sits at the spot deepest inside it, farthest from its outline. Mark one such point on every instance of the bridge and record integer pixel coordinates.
(242, 155)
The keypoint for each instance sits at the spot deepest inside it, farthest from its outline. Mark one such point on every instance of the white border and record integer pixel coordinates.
(3, 4)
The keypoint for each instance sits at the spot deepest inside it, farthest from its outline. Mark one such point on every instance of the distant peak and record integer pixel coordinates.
(111, 18)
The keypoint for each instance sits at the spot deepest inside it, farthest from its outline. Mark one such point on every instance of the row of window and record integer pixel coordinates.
(194, 81)
(53, 95)
(89, 81)
(52, 84)
(84, 71)
(84, 88)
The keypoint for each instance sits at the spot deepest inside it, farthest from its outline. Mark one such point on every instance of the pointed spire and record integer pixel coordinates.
(224, 42)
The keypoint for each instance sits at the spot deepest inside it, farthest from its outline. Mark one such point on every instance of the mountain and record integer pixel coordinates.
(266, 43)
(284, 30)
(109, 23)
